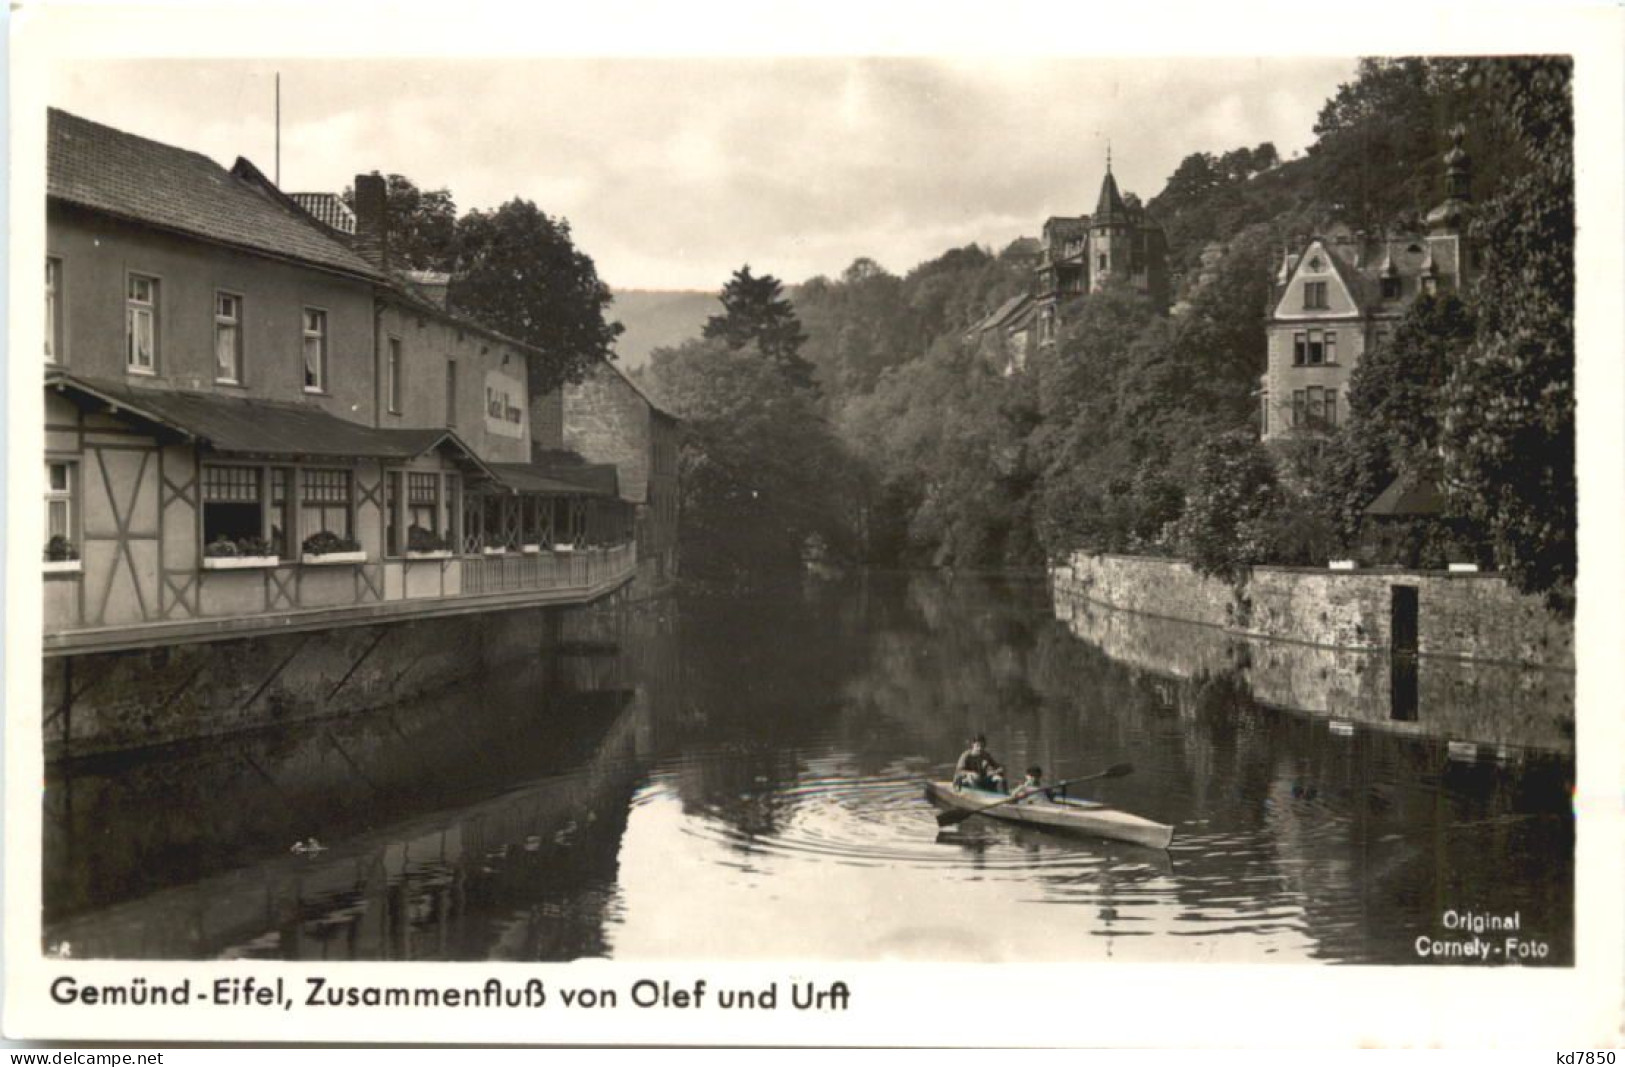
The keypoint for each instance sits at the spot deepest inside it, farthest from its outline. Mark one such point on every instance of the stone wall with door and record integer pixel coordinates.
(1471, 616)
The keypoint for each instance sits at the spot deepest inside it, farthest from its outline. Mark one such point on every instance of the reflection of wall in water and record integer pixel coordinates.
(431, 884)
(1492, 702)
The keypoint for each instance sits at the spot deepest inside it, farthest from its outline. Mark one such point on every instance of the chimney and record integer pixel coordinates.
(371, 218)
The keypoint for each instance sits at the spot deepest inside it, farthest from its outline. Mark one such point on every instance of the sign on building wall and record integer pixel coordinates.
(504, 405)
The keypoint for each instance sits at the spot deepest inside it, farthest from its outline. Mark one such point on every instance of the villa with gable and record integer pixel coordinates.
(1341, 292)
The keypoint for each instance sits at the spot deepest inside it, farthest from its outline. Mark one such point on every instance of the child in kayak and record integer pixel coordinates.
(977, 769)
(1032, 785)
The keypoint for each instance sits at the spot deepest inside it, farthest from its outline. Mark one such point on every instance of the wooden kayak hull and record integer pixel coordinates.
(1076, 816)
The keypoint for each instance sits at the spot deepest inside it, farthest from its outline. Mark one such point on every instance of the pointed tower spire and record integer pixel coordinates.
(1110, 207)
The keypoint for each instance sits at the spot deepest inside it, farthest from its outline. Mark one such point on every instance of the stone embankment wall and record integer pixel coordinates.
(1470, 616)
(115, 701)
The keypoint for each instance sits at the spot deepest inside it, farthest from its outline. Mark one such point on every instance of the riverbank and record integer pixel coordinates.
(1471, 616)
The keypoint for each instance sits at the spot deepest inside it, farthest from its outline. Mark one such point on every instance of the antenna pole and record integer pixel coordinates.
(279, 129)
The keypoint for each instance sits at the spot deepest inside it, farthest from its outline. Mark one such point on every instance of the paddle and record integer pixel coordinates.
(951, 818)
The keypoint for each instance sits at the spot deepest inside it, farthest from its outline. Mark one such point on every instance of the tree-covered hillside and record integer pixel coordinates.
(1137, 431)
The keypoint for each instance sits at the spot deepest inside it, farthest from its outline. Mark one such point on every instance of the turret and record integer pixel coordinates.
(1110, 232)
(1448, 217)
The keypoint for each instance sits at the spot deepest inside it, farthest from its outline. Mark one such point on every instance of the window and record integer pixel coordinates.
(392, 513)
(423, 502)
(324, 503)
(141, 325)
(1331, 407)
(1390, 288)
(228, 337)
(58, 501)
(1317, 350)
(315, 351)
(454, 514)
(1101, 261)
(53, 310)
(1299, 411)
(248, 503)
(1300, 349)
(233, 506)
(1316, 405)
(1331, 346)
(1314, 295)
(451, 392)
(1264, 414)
(392, 377)
(283, 527)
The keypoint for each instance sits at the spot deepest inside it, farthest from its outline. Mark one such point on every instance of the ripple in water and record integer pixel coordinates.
(876, 821)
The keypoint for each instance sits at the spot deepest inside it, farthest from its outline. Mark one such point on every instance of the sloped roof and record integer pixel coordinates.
(1023, 317)
(1001, 315)
(642, 394)
(1023, 248)
(543, 478)
(1066, 225)
(1110, 207)
(327, 208)
(261, 427)
(573, 469)
(103, 169)
(1408, 496)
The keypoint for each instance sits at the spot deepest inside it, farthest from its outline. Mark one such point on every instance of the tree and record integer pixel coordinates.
(517, 270)
(1230, 509)
(1508, 429)
(422, 224)
(1396, 391)
(756, 313)
(762, 476)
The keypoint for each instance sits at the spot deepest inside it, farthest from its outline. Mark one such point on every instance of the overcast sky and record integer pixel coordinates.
(673, 172)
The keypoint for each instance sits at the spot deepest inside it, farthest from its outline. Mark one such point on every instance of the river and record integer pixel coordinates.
(741, 780)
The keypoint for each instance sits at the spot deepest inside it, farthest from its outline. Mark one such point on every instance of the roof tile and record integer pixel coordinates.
(104, 169)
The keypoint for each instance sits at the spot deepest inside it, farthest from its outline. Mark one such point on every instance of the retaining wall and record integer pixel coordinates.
(1470, 616)
(108, 701)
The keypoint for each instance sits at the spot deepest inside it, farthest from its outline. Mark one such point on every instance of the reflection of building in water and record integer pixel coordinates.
(451, 876)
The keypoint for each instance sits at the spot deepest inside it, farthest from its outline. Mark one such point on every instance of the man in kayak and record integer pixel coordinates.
(1033, 785)
(977, 769)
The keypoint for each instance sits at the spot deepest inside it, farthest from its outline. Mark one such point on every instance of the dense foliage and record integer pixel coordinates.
(927, 441)
(514, 268)
(517, 270)
(1509, 406)
(764, 482)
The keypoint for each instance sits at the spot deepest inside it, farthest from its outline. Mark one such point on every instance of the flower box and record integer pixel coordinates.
(531, 550)
(564, 548)
(238, 563)
(1464, 568)
(494, 551)
(1343, 565)
(438, 553)
(328, 558)
(63, 566)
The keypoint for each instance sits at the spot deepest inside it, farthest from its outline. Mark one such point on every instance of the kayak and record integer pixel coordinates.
(1063, 813)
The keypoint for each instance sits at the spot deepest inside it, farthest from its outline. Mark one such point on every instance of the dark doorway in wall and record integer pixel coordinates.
(1402, 627)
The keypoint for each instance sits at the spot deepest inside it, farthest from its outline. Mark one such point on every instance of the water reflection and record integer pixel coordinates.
(742, 780)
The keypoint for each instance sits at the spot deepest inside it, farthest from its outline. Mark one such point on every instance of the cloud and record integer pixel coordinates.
(673, 172)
